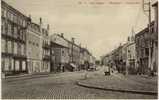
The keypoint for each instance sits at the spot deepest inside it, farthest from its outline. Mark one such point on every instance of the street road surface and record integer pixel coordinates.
(61, 86)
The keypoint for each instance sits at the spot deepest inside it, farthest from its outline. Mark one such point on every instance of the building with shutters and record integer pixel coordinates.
(34, 48)
(59, 52)
(142, 39)
(46, 58)
(13, 42)
(131, 62)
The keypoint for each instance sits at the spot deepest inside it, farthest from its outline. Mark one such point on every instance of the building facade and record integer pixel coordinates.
(142, 50)
(34, 48)
(46, 58)
(13, 41)
(60, 52)
(131, 62)
(155, 39)
(75, 53)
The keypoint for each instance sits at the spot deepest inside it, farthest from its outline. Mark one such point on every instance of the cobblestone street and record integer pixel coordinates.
(61, 86)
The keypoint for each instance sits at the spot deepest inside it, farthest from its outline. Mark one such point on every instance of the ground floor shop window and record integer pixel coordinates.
(12, 63)
(23, 66)
(3, 45)
(46, 67)
(6, 67)
(2, 63)
(17, 67)
(29, 66)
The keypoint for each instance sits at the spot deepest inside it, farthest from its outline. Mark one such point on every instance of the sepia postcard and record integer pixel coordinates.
(79, 49)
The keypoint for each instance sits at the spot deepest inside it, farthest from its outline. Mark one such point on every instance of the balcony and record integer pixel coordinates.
(46, 57)
(46, 46)
(11, 37)
(18, 56)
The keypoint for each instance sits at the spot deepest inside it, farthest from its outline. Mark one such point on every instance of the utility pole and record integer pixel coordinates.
(149, 30)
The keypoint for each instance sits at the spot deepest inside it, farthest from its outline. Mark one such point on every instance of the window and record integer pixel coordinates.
(9, 15)
(18, 20)
(6, 67)
(19, 49)
(17, 68)
(24, 23)
(146, 51)
(3, 63)
(18, 33)
(9, 29)
(22, 49)
(23, 66)
(62, 52)
(9, 46)
(3, 27)
(6, 29)
(3, 45)
(2, 12)
(15, 48)
(12, 64)
(23, 35)
(15, 31)
(15, 19)
(12, 17)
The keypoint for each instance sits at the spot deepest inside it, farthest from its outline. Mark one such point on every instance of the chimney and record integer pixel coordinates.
(62, 35)
(128, 39)
(48, 27)
(29, 18)
(73, 40)
(28, 21)
(40, 22)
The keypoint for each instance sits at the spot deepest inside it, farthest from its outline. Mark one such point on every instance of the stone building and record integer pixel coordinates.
(117, 59)
(34, 48)
(38, 50)
(142, 39)
(13, 41)
(81, 58)
(60, 52)
(86, 58)
(75, 53)
(92, 62)
(131, 66)
(155, 39)
(46, 58)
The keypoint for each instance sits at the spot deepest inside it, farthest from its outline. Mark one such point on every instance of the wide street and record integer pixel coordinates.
(60, 86)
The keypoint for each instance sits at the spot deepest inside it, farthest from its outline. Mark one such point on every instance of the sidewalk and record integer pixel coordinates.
(24, 76)
(35, 75)
(121, 83)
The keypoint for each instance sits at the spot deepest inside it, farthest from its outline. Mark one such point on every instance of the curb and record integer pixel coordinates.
(11, 79)
(29, 76)
(117, 90)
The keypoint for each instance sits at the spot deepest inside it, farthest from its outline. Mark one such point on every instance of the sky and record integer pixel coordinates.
(99, 25)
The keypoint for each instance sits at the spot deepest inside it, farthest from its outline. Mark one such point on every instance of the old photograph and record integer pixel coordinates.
(79, 49)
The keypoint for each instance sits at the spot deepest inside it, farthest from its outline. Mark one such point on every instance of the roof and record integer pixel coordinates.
(144, 30)
(3, 3)
(155, 3)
